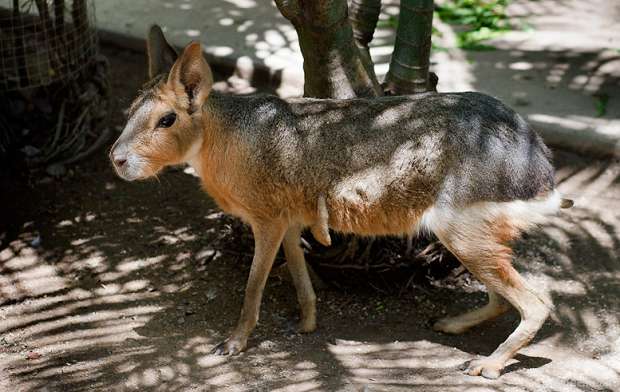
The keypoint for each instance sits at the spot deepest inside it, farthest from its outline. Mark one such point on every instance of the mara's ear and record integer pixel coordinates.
(161, 55)
(191, 75)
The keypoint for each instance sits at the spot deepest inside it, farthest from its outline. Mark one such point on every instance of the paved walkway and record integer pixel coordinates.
(555, 74)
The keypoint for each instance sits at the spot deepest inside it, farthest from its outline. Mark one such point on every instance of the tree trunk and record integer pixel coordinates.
(334, 67)
(408, 73)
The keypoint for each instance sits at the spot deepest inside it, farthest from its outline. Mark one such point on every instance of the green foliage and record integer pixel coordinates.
(480, 19)
(391, 22)
(600, 101)
(475, 13)
(472, 40)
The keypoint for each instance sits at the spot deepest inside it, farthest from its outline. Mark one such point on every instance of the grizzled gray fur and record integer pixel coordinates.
(482, 149)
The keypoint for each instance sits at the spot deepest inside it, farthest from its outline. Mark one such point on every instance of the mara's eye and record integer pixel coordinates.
(167, 120)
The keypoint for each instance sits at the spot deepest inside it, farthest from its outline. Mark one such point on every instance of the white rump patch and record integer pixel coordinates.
(523, 213)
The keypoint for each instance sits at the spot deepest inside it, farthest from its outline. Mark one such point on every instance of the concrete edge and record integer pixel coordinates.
(584, 142)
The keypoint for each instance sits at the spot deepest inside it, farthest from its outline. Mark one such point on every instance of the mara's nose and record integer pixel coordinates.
(119, 158)
(119, 161)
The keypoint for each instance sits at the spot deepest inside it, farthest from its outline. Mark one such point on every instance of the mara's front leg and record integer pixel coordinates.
(303, 285)
(267, 239)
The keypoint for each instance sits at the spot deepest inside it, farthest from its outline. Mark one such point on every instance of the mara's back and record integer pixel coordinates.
(448, 148)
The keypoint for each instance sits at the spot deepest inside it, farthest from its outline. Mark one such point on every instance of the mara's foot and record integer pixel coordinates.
(486, 367)
(231, 346)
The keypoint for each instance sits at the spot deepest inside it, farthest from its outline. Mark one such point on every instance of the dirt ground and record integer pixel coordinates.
(108, 285)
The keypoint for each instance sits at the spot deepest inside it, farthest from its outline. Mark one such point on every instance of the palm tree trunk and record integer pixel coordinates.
(409, 68)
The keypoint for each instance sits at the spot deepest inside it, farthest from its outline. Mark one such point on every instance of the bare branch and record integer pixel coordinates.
(364, 15)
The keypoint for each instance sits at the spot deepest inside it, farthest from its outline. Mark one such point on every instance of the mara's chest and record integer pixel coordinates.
(228, 199)
(218, 182)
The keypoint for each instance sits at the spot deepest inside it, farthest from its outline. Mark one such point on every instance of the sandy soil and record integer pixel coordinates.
(107, 285)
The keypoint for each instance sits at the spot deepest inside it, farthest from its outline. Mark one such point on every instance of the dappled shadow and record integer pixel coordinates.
(564, 76)
(562, 89)
(134, 283)
(242, 34)
(578, 72)
(248, 34)
(113, 285)
(126, 295)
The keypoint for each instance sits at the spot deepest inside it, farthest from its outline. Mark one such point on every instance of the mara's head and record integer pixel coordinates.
(164, 122)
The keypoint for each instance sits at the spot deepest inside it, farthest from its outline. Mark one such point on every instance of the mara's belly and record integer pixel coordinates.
(383, 200)
(380, 217)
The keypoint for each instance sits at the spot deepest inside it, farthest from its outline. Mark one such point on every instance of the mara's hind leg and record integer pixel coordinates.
(533, 313)
(461, 323)
(479, 245)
